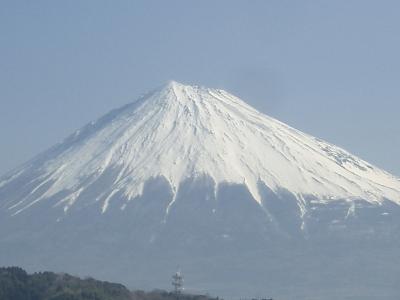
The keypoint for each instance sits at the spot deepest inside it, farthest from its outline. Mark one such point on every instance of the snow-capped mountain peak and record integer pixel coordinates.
(180, 132)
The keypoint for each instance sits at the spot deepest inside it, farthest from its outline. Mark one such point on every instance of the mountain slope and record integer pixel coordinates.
(181, 132)
(194, 177)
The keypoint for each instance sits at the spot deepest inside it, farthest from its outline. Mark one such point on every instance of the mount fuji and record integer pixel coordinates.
(195, 177)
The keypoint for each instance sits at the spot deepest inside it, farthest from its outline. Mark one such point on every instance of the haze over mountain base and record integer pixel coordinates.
(225, 246)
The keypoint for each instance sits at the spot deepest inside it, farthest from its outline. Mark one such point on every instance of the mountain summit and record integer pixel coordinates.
(182, 131)
(195, 177)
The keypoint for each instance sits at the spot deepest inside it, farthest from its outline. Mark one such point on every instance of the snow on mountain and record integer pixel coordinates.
(180, 132)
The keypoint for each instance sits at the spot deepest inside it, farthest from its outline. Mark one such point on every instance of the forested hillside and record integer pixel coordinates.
(17, 284)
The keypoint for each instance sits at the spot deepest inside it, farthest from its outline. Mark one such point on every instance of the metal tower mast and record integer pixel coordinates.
(177, 282)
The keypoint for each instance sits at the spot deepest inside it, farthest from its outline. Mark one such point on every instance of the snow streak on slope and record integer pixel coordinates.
(181, 132)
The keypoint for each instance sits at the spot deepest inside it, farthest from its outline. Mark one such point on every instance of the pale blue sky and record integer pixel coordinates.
(329, 68)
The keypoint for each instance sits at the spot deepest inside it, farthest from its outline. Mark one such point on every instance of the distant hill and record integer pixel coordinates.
(17, 284)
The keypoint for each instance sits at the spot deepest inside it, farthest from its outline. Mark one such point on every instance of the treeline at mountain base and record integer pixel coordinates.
(17, 284)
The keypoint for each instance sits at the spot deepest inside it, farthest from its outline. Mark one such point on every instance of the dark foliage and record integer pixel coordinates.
(16, 284)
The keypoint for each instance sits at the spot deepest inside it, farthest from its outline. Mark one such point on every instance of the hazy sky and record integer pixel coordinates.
(329, 68)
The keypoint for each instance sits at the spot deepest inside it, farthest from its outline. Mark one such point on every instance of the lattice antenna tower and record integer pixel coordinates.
(177, 282)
